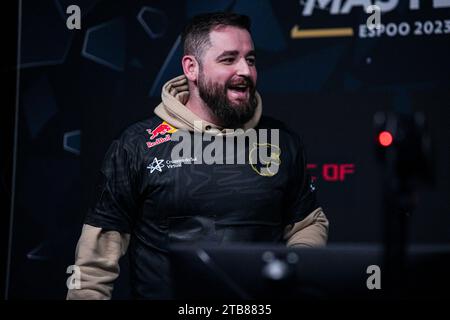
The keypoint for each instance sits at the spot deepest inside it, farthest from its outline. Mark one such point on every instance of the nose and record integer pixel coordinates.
(242, 68)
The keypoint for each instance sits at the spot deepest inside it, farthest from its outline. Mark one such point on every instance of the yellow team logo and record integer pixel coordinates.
(262, 162)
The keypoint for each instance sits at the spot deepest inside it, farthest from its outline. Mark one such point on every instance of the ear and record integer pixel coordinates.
(190, 67)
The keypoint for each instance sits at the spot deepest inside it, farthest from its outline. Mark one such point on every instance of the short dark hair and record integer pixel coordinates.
(195, 36)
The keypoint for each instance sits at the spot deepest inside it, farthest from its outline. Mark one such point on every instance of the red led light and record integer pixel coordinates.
(385, 138)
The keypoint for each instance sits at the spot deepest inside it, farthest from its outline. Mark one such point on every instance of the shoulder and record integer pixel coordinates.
(135, 137)
(139, 130)
(286, 133)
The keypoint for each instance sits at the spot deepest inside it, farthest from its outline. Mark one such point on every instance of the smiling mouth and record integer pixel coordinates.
(239, 88)
(238, 92)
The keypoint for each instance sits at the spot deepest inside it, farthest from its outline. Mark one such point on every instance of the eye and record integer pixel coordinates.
(251, 61)
(229, 60)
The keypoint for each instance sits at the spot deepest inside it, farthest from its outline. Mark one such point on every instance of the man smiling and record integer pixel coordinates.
(144, 204)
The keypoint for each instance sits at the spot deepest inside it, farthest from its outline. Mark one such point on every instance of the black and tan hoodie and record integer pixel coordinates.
(147, 201)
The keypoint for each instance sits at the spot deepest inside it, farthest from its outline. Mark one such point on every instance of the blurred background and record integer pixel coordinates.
(320, 70)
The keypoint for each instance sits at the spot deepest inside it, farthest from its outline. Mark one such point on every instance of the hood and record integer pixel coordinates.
(172, 109)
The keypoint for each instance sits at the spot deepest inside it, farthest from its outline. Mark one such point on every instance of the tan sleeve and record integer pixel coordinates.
(310, 232)
(97, 256)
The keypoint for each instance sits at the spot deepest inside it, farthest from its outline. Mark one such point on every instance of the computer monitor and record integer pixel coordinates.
(276, 272)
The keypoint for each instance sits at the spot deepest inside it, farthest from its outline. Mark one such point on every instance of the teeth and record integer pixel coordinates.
(240, 89)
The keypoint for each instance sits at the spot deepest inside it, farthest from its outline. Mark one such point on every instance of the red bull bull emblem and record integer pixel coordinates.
(160, 134)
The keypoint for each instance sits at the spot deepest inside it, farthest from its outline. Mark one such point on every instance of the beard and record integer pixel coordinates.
(230, 114)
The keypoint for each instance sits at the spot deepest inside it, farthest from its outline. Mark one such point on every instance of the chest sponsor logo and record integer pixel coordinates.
(160, 134)
(156, 165)
(159, 164)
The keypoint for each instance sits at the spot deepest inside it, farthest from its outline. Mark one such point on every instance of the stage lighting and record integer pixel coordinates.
(385, 138)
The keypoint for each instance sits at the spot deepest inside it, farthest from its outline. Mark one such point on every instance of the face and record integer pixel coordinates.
(227, 76)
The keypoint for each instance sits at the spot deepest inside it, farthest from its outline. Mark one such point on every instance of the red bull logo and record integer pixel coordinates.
(160, 131)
